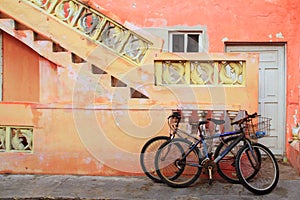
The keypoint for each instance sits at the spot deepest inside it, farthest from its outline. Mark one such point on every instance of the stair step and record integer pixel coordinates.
(45, 44)
(62, 57)
(100, 85)
(104, 88)
(120, 95)
(104, 81)
(7, 23)
(27, 36)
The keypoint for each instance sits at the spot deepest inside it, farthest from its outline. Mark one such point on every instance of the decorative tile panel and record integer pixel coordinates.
(174, 72)
(231, 72)
(200, 73)
(16, 139)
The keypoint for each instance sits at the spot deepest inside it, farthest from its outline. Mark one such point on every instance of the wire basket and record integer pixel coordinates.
(258, 127)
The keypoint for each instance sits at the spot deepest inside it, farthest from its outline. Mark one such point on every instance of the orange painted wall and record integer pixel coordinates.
(31, 84)
(20, 71)
(58, 147)
(66, 140)
(61, 143)
(263, 21)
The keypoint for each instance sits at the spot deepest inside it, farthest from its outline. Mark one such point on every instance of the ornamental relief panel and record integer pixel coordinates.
(97, 27)
(173, 72)
(14, 138)
(200, 73)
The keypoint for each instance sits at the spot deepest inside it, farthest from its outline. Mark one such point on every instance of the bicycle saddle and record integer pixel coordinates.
(216, 121)
(202, 122)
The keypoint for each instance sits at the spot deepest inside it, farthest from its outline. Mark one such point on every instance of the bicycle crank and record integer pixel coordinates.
(210, 168)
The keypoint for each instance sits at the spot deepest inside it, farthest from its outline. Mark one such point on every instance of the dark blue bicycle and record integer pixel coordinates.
(179, 162)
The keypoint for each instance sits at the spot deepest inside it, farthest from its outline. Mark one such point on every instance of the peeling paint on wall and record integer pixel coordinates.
(279, 35)
(87, 160)
(133, 5)
(157, 22)
(225, 39)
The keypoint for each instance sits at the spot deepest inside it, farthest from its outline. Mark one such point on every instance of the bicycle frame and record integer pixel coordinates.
(239, 133)
(179, 162)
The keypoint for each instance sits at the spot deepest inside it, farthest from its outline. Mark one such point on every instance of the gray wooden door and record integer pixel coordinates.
(272, 73)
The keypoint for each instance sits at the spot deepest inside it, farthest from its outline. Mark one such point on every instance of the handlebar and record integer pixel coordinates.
(245, 119)
(173, 124)
(176, 115)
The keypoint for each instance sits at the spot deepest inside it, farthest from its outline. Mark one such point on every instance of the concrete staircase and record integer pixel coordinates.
(102, 74)
(112, 75)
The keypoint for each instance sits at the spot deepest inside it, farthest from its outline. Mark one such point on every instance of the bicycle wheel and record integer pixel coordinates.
(226, 166)
(262, 164)
(147, 156)
(175, 170)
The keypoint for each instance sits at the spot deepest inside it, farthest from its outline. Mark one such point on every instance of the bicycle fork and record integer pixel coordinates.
(252, 156)
(224, 153)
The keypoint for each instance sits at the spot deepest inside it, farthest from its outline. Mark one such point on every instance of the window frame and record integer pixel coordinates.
(200, 33)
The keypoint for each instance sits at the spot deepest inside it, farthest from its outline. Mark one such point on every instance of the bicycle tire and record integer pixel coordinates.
(147, 156)
(266, 169)
(172, 169)
(226, 166)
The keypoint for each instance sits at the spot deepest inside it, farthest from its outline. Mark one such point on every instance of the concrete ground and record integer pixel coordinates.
(98, 187)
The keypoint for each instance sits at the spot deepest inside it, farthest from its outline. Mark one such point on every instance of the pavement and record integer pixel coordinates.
(125, 187)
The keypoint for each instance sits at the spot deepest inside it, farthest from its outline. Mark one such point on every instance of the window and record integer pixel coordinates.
(186, 41)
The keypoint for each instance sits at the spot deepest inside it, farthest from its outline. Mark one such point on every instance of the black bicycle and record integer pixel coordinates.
(151, 146)
(179, 162)
(225, 167)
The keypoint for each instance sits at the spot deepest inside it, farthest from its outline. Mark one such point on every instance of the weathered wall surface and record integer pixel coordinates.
(70, 141)
(75, 138)
(255, 21)
(235, 21)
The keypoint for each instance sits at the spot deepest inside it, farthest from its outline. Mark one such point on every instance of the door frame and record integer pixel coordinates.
(284, 100)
